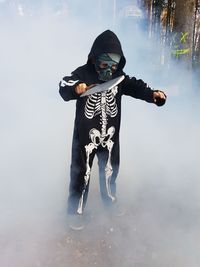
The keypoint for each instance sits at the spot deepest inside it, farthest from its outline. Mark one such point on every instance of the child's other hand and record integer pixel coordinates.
(159, 98)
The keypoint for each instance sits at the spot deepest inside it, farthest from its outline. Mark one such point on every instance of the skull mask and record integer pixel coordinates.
(106, 65)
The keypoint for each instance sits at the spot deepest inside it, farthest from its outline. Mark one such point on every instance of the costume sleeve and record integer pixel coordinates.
(137, 89)
(67, 87)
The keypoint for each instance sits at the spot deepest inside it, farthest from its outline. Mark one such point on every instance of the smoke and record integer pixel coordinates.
(158, 180)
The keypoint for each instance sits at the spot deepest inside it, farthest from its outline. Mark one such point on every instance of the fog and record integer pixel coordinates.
(159, 174)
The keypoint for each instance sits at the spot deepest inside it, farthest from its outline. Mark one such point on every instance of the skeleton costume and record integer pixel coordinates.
(97, 123)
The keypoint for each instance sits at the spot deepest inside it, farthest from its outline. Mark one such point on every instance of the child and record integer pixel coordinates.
(97, 121)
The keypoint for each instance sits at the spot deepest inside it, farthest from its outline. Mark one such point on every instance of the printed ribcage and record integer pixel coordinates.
(95, 103)
(93, 106)
(111, 106)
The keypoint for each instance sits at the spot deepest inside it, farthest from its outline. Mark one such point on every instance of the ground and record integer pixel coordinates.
(150, 234)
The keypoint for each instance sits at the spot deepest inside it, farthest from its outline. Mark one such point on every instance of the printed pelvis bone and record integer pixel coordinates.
(102, 104)
(105, 141)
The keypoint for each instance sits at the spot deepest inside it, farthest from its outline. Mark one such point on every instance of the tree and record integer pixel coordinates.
(183, 24)
(176, 25)
(196, 37)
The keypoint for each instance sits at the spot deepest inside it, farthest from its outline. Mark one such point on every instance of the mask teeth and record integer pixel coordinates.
(105, 75)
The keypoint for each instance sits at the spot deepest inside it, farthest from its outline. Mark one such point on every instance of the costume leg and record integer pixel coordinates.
(108, 161)
(81, 164)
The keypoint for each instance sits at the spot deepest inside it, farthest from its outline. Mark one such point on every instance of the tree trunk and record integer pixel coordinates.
(196, 35)
(147, 7)
(183, 31)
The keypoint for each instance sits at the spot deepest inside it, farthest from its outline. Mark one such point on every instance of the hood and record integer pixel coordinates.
(107, 42)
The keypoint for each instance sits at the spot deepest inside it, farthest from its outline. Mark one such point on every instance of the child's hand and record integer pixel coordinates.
(159, 98)
(82, 88)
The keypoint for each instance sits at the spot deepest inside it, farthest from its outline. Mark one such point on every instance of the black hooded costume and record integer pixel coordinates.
(97, 123)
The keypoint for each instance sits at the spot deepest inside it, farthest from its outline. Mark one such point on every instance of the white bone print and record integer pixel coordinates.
(103, 104)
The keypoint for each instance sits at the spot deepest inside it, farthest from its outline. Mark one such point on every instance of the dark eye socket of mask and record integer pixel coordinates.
(104, 65)
(114, 67)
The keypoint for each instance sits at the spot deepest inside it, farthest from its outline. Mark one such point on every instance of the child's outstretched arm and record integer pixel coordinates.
(71, 87)
(139, 89)
(67, 87)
